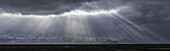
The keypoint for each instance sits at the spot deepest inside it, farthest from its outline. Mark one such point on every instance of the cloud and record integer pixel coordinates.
(40, 6)
(147, 11)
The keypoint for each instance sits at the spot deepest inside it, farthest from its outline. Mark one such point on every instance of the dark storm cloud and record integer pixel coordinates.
(40, 6)
(156, 10)
(152, 10)
(149, 11)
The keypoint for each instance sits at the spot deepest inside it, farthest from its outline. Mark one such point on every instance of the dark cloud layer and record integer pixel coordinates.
(40, 6)
(152, 10)
(148, 11)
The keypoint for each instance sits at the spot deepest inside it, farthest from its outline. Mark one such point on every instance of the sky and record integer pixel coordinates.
(41, 6)
(85, 18)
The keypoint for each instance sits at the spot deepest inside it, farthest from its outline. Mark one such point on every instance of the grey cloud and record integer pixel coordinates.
(152, 10)
(141, 11)
(40, 6)
(148, 11)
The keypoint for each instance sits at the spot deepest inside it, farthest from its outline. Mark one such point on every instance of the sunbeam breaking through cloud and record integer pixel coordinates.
(90, 22)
